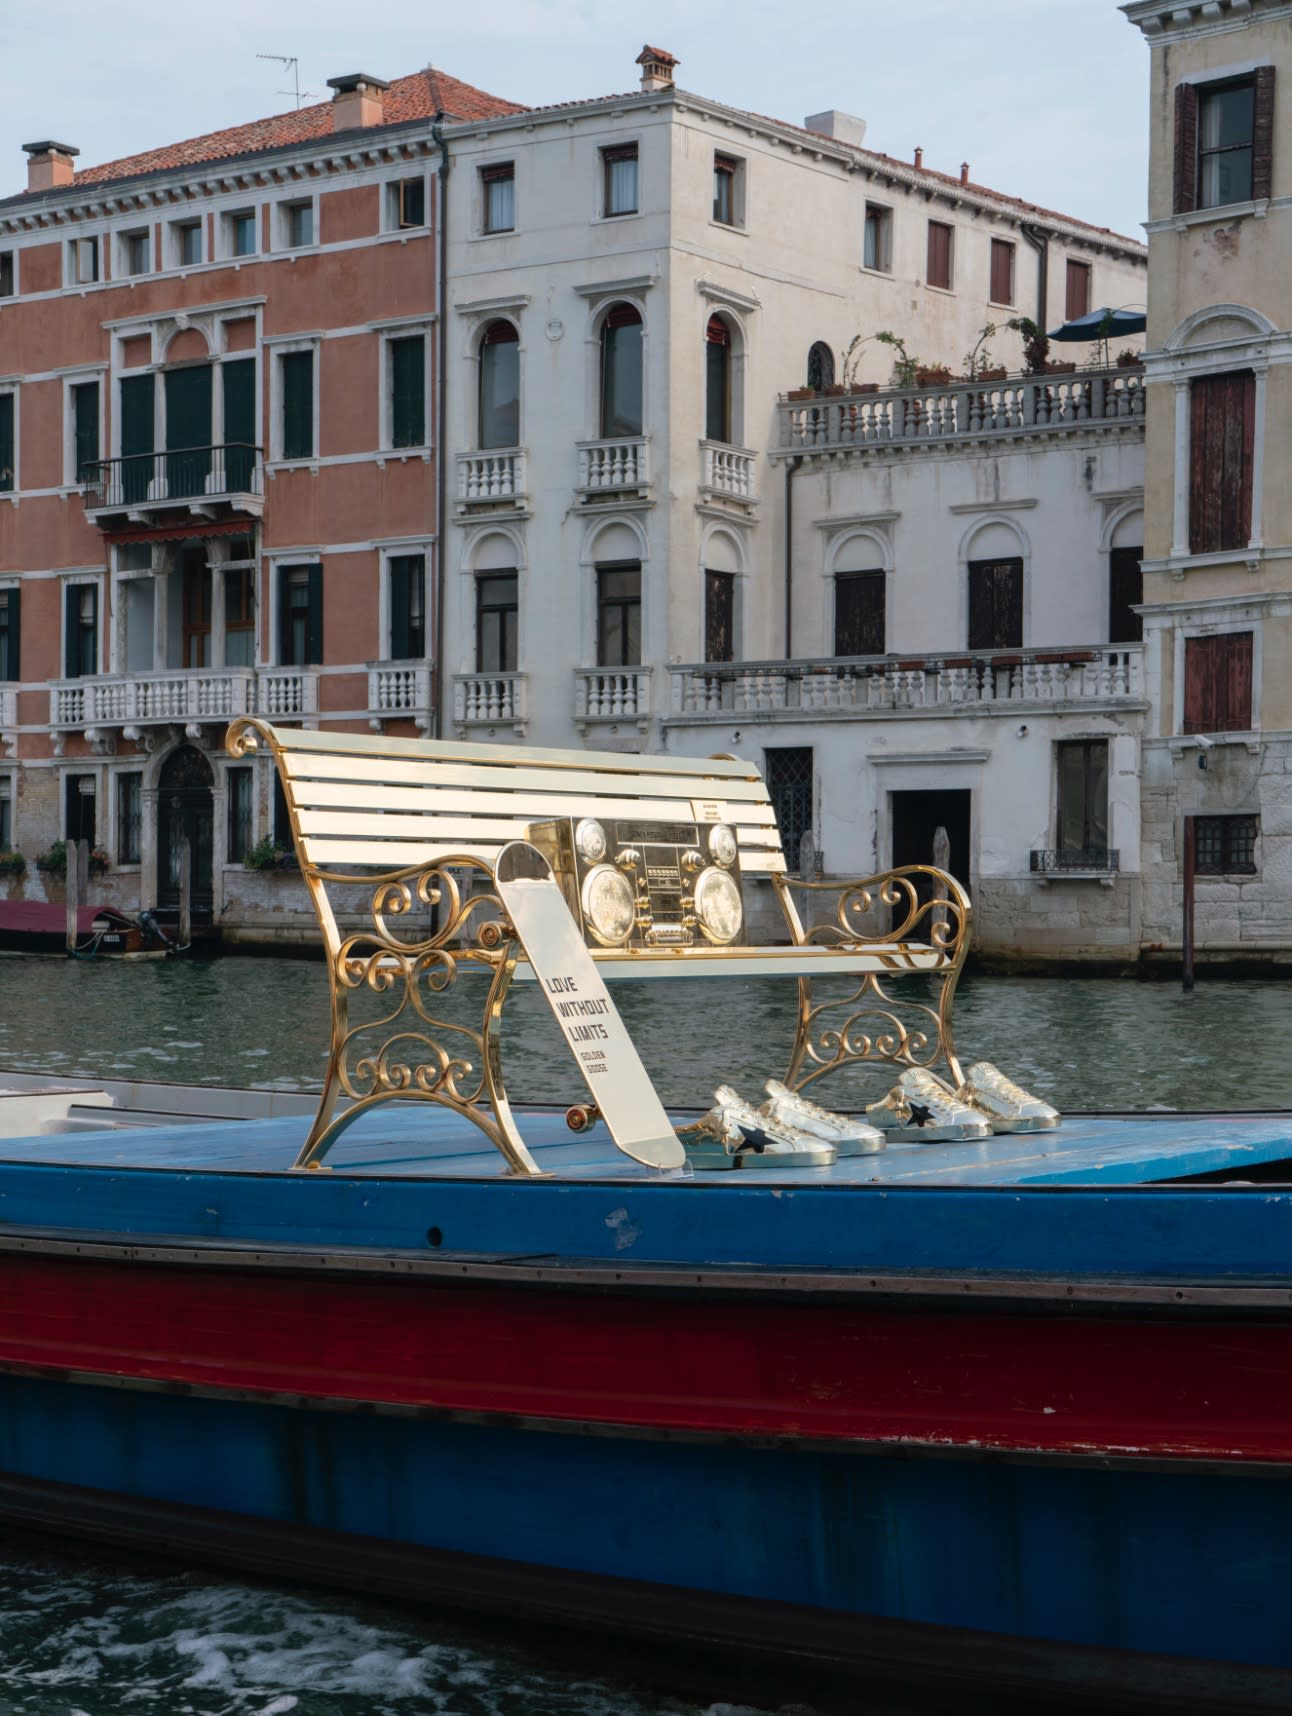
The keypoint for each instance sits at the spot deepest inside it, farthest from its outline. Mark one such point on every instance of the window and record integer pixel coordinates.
(789, 776)
(1222, 434)
(6, 813)
(499, 402)
(728, 190)
(938, 272)
(85, 430)
(717, 380)
(186, 243)
(296, 378)
(619, 172)
(6, 274)
(300, 616)
(820, 365)
(1224, 137)
(498, 188)
(8, 442)
(1076, 300)
(297, 224)
(407, 380)
(83, 261)
(239, 617)
(78, 809)
(1218, 683)
(497, 622)
(10, 631)
(80, 630)
(129, 811)
(1125, 591)
(995, 604)
(619, 614)
(137, 252)
(195, 609)
(1002, 271)
(719, 616)
(238, 785)
(406, 204)
(877, 247)
(621, 372)
(407, 607)
(1082, 819)
(240, 232)
(859, 613)
(137, 429)
(281, 818)
(1225, 845)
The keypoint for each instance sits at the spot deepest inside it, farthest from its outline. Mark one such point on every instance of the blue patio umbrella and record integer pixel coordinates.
(1101, 325)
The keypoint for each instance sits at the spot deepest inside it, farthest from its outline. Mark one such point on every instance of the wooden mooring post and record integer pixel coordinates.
(1190, 871)
(185, 890)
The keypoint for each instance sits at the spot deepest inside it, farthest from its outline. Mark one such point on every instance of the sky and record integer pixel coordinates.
(1046, 99)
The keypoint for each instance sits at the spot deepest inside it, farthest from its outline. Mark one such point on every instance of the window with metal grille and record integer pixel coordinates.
(789, 775)
(1225, 845)
(238, 783)
(129, 808)
(1077, 291)
(1218, 683)
(995, 604)
(1002, 271)
(820, 365)
(859, 613)
(938, 272)
(1222, 437)
(719, 616)
(497, 622)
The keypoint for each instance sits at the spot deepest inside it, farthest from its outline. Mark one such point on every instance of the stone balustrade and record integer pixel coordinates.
(727, 471)
(490, 699)
(964, 411)
(496, 477)
(605, 466)
(612, 694)
(888, 684)
(117, 699)
(287, 691)
(399, 690)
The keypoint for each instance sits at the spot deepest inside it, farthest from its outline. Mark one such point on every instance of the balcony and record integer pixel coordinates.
(727, 473)
(8, 708)
(284, 692)
(399, 691)
(1015, 407)
(493, 479)
(612, 694)
(200, 478)
(984, 682)
(490, 700)
(611, 468)
(118, 700)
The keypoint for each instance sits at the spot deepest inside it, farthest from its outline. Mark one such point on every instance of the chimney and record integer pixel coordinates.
(843, 127)
(49, 165)
(359, 100)
(919, 157)
(657, 68)
(964, 172)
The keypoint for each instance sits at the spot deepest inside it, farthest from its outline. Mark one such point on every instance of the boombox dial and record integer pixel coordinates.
(644, 885)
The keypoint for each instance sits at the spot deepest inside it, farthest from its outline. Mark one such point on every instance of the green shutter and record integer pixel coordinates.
(11, 605)
(400, 645)
(284, 619)
(314, 625)
(408, 392)
(239, 382)
(188, 430)
(137, 427)
(86, 403)
(298, 404)
(71, 619)
(6, 442)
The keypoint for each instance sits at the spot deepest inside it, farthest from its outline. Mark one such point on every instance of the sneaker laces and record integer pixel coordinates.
(1001, 1085)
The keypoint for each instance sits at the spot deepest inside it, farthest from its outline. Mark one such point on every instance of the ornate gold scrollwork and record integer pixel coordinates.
(927, 933)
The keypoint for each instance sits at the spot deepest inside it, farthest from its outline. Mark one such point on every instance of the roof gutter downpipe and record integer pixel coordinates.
(1040, 243)
(438, 721)
(791, 465)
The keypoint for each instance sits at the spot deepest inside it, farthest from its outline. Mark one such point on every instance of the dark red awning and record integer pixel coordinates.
(184, 532)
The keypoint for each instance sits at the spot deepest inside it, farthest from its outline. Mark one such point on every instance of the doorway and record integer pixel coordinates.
(917, 816)
(185, 807)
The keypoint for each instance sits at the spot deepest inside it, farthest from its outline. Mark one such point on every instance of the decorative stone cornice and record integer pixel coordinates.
(1162, 20)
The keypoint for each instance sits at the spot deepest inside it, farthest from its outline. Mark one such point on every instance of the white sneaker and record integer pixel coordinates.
(1007, 1105)
(921, 1109)
(790, 1108)
(749, 1139)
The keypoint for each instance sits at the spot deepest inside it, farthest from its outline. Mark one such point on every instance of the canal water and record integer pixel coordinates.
(87, 1637)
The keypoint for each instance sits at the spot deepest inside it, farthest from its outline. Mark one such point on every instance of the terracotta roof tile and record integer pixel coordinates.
(420, 96)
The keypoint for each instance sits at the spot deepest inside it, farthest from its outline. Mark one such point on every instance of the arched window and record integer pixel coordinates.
(500, 386)
(621, 373)
(820, 368)
(717, 376)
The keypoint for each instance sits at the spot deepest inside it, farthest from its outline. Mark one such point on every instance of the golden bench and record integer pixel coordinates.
(400, 819)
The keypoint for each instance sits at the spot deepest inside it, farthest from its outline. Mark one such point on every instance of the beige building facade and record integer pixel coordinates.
(1218, 508)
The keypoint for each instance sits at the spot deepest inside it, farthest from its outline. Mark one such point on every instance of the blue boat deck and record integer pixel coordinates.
(407, 1142)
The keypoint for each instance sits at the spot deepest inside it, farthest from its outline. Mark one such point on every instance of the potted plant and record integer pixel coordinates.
(905, 367)
(54, 862)
(932, 375)
(977, 360)
(99, 861)
(796, 394)
(1127, 359)
(12, 864)
(266, 854)
(1036, 344)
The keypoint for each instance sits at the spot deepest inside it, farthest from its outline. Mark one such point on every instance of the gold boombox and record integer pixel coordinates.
(646, 884)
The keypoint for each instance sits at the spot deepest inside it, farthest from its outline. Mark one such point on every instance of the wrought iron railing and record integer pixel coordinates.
(190, 473)
(1076, 860)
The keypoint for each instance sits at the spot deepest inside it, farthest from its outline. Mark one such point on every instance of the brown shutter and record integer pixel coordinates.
(939, 262)
(1263, 133)
(1199, 703)
(1002, 271)
(1234, 665)
(1186, 147)
(1077, 291)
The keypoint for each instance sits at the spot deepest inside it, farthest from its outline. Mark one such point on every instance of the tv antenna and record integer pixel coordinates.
(293, 63)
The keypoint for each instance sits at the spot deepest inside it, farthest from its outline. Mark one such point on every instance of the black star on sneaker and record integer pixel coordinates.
(919, 1115)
